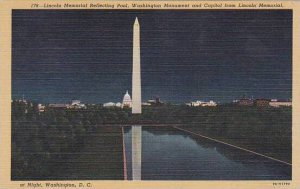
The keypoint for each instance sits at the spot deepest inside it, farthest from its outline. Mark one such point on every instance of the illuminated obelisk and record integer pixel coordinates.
(136, 70)
(136, 103)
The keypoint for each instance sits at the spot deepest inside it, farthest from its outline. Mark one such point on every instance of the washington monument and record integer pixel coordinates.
(136, 103)
(136, 70)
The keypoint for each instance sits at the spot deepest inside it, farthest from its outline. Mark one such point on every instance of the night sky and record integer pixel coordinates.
(185, 55)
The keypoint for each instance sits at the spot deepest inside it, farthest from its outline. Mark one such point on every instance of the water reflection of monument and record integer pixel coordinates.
(136, 103)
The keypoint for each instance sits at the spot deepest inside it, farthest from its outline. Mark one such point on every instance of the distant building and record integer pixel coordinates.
(60, 106)
(155, 101)
(151, 101)
(235, 101)
(109, 104)
(146, 104)
(280, 103)
(119, 104)
(41, 108)
(197, 103)
(262, 102)
(245, 102)
(210, 103)
(76, 104)
(127, 103)
(23, 100)
(202, 103)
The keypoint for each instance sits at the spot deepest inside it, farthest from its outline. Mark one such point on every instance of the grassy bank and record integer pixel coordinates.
(265, 130)
(53, 147)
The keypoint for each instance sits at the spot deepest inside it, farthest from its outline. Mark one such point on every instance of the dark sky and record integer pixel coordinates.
(185, 55)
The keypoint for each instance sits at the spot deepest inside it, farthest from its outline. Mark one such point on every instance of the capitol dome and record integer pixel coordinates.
(126, 100)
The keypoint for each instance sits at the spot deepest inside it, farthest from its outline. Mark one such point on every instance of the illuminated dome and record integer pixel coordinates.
(126, 100)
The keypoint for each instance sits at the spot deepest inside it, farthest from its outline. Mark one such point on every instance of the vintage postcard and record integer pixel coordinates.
(149, 94)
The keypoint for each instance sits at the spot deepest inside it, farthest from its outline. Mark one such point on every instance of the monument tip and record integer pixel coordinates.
(136, 20)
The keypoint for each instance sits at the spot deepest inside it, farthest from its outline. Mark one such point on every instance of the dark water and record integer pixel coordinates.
(171, 154)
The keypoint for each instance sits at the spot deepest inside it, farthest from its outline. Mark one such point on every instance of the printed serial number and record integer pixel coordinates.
(281, 183)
